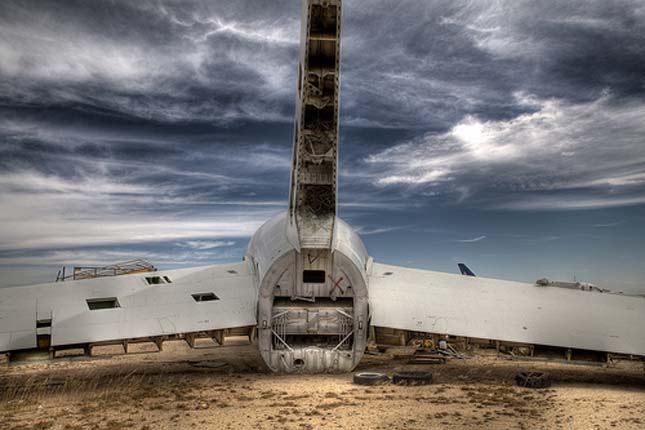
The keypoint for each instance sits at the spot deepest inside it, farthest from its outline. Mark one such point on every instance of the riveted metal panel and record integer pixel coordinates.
(143, 310)
(426, 301)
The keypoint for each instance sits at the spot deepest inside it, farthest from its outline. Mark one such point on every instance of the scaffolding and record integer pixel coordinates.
(89, 272)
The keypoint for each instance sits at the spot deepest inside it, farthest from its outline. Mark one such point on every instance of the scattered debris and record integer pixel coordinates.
(370, 378)
(533, 380)
(449, 351)
(584, 286)
(209, 364)
(424, 358)
(412, 378)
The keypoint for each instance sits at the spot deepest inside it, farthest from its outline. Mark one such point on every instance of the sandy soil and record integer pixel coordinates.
(229, 388)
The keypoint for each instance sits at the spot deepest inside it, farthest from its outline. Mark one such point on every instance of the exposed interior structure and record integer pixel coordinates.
(117, 269)
(314, 299)
(312, 310)
(315, 150)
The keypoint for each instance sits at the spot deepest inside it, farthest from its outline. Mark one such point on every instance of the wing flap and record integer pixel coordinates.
(442, 303)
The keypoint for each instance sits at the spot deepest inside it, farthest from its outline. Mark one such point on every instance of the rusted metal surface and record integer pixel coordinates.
(313, 198)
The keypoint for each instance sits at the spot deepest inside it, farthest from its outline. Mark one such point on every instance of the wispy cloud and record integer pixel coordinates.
(103, 257)
(524, 163)
(205, 244)
(157, 68)
(366, 231)
(475, 239)
(607, 225)
(574, 202)
(51, 211)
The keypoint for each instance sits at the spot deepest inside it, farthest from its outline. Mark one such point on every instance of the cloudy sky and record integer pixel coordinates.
(506, 134)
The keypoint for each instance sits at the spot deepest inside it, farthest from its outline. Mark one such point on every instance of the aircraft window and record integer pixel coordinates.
(103, 303)
(313, 276)
(155, 280)
(232, 272)
(167, 279)
(205, 297)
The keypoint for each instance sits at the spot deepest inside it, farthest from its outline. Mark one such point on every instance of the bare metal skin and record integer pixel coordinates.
(312, 311)
(310, 326)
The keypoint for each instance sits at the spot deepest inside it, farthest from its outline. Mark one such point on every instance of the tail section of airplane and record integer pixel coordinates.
(465, 270)
(313, 299)
(312, 201)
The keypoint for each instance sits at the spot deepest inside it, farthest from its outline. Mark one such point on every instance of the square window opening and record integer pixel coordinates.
(205, 297)
(155, 280)
(103, 303)
(313, 276)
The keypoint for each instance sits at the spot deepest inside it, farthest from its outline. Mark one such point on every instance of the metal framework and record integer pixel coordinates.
(315, 152)
(338, 325)
(89, 272)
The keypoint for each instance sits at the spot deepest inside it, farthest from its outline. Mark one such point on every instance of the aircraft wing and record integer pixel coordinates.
(442, 303)
(125, 307)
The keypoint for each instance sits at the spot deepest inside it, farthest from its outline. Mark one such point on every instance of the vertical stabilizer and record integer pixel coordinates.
(465, 270)
(312, 201)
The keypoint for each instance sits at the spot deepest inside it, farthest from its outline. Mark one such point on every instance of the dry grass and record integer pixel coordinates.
(164, 391)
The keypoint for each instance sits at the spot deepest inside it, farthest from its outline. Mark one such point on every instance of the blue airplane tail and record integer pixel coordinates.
(465, 270)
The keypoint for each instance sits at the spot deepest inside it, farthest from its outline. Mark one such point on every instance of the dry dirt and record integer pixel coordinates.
(183, 388)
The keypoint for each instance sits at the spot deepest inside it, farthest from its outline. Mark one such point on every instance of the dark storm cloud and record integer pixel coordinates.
(135, 122)
(427, 66)
(431, 63)
(184, 61)
(584, 49)
(524, 105)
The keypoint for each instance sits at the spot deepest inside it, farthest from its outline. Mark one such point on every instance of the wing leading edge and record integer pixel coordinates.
(128, 307)
(443, 303)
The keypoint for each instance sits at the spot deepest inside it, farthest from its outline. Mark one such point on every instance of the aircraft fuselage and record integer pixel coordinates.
(313, 303)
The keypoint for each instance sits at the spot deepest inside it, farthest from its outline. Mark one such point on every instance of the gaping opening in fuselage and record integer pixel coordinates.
(313, 313)
(321, 322)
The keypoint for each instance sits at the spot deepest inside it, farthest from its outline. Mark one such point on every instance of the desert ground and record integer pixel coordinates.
(228, 387)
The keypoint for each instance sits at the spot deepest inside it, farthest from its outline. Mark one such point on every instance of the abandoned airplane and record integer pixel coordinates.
(307, 291)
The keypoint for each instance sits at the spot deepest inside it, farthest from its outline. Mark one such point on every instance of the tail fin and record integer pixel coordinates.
(314, 176)
(465, 270)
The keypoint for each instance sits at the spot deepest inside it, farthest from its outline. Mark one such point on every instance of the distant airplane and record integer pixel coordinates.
(465, 270)
(307, 290)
